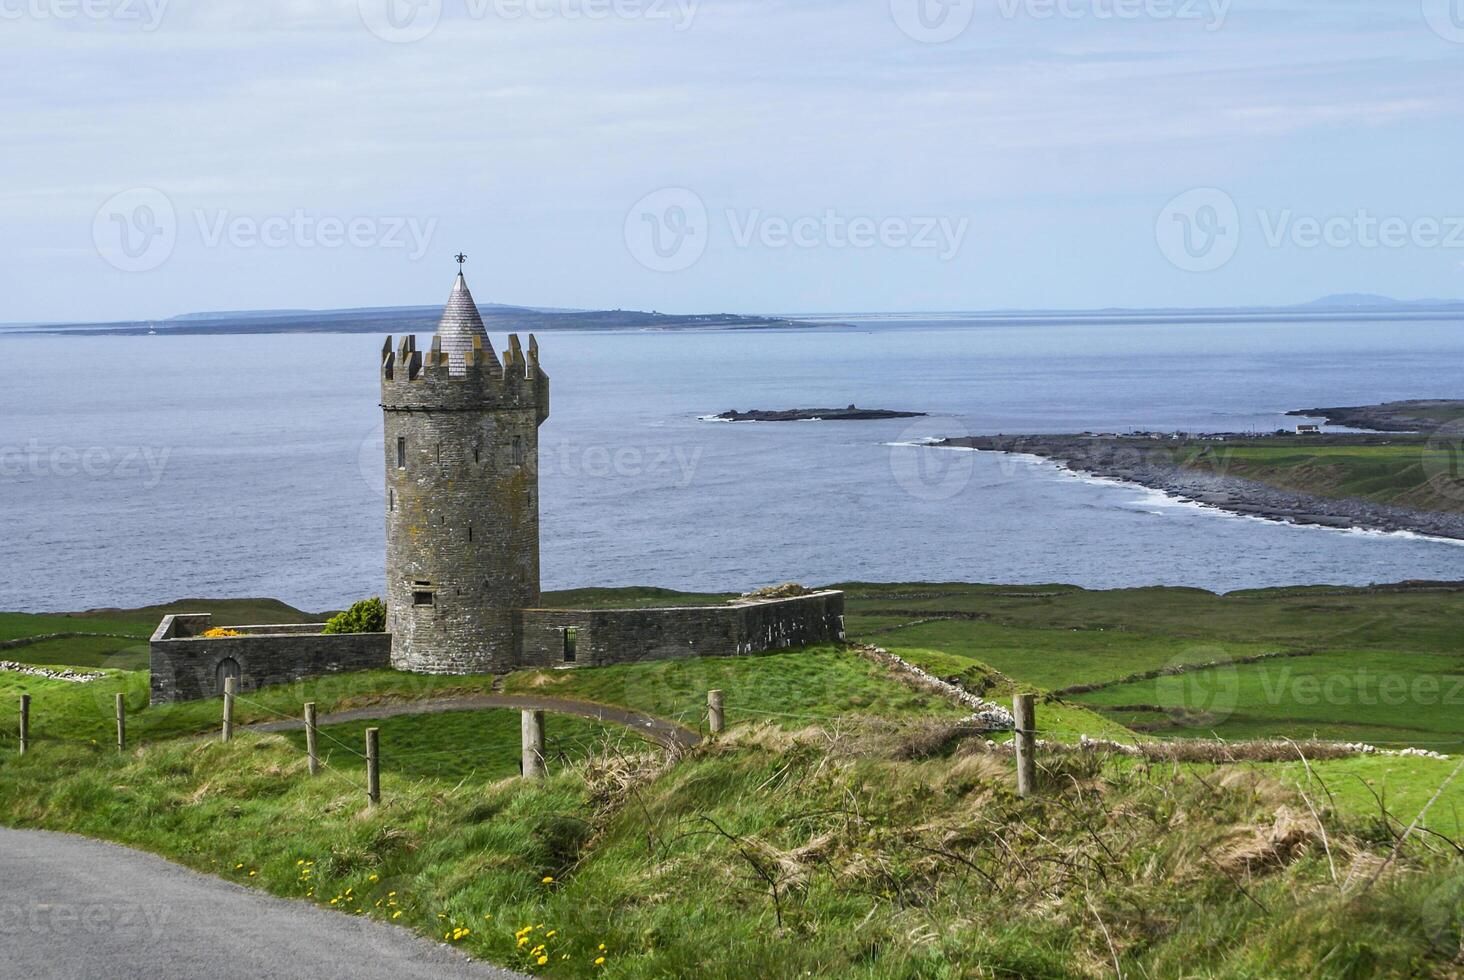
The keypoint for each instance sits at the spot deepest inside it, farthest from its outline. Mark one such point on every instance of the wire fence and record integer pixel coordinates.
(563, 748)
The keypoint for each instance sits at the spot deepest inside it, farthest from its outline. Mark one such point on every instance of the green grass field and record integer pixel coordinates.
(834, 831)
(471, 747)
(1387, 698)
(1408, 471)
(1383, 665)
(779, 855)
(788, 689)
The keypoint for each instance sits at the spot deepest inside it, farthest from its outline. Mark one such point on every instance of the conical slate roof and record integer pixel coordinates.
(460, 324)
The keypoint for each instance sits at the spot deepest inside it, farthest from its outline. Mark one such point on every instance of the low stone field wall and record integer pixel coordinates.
(597, 637)
(187, 666)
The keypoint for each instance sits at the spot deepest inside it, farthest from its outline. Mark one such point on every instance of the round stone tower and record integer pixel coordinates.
(462, 485)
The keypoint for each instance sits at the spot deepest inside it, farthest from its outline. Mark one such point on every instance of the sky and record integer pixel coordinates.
(751, 156)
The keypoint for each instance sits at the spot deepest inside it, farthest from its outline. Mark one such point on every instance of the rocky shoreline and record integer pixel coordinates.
(1140, 461)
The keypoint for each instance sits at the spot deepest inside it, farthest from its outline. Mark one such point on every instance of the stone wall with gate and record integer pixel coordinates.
(187, 666)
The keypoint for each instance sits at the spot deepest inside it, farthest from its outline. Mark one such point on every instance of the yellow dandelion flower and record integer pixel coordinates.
(551, 933)
(396, 914)
(549, 880)
(542, 960)
(374, 878)
(600, 961)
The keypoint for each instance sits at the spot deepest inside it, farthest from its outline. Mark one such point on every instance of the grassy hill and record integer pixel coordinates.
(847, 824)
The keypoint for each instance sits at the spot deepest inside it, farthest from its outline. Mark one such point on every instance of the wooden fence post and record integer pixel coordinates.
(310, 748)
(121, 724)
(24, 723)
(373, 765)
(716, 715)
(1025, 740)
(532, 728)
(231, 687)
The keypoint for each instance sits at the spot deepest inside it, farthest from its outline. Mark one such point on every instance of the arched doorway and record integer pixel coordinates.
(228, 667)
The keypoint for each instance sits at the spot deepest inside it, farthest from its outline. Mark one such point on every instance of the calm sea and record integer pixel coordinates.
(145, 469)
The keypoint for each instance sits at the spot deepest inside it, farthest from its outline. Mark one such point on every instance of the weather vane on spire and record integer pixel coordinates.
(461, 258)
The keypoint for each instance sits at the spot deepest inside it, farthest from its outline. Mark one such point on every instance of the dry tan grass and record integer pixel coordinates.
(1291, 834)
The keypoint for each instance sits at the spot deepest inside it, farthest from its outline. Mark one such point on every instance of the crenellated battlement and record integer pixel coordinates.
(413, 380)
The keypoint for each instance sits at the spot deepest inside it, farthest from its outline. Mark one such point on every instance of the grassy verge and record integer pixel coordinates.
(784, 854)
(791, 689)
(469, 747)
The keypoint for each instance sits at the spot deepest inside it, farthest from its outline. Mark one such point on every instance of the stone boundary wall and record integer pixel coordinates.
(187, 666)
(617, 636)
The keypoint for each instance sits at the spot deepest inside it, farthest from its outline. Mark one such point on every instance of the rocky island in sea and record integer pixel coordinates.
(850, 414)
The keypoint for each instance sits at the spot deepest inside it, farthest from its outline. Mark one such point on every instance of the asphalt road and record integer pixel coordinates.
(77, 909)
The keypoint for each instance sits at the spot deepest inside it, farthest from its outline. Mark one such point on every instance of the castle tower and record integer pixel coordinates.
(462, 509)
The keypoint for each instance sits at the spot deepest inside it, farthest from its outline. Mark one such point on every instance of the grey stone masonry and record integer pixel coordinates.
(187, 666)
(613, 636)
(462, 522)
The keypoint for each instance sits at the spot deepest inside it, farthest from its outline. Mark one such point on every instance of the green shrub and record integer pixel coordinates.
(366, 616)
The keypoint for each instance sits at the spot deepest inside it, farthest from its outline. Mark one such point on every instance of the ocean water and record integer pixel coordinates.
(145, 469)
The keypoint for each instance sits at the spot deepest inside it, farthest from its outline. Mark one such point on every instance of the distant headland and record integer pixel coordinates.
(850, 414)
(1342, 307)
(1418, 415)
(1402, 477)
(402, 320)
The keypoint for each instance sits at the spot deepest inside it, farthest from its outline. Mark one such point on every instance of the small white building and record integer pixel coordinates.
(1309, 429)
